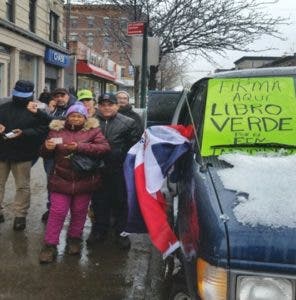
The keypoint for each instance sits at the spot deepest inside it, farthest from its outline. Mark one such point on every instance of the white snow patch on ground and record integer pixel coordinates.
(270, 182)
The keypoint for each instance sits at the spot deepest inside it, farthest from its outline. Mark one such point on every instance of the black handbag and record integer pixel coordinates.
(85, 163)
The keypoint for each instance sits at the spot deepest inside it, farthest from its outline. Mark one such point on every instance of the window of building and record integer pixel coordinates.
(107, 24)
(1, 79)
(32, 15)
(107, 41)
(74, 21)
(10, 6)
(73, 36)
(90, 21)
(123, 24)
(4, 49)
(28, 67)
(90, 41)
(53, 27)
(122, 57)
(122, 72)
(131, 70)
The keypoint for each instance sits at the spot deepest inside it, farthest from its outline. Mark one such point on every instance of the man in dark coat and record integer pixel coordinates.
(22, 131)
(111, 200)
(63, 101)
(126, 109)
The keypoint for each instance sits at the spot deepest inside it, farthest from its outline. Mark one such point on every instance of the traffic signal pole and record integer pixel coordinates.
(144, 68)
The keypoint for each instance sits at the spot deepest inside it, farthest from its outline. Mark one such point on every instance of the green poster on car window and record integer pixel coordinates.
(249, 114)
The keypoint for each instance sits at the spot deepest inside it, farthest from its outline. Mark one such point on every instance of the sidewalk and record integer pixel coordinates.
(101, 273)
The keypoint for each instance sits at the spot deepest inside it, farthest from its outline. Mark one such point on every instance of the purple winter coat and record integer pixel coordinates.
(90, 140)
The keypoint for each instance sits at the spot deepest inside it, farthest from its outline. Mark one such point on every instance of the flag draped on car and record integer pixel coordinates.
(146, 166)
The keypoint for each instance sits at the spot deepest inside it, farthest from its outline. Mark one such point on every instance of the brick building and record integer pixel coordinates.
(102, 28)
(90, 71)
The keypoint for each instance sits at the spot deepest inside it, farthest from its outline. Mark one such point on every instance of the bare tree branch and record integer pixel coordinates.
(203, 27)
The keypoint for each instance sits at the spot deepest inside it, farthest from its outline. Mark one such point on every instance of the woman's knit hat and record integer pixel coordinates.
(78, 107)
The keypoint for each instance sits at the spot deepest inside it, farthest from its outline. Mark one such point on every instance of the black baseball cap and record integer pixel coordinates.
(108, 97)
(59, 91)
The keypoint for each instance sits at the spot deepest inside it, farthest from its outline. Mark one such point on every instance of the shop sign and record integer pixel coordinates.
(56, 58)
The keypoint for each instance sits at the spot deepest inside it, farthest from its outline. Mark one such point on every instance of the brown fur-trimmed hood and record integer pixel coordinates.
(90, 123)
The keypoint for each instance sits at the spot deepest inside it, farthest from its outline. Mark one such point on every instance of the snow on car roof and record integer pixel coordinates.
(269, 181)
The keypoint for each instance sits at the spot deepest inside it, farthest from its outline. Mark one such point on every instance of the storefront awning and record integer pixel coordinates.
(83, 67)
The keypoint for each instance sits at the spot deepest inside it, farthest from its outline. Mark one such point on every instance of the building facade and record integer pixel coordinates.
(103, 29)
(91, 72)
(32, 44)
(284, 61)
(248, 62)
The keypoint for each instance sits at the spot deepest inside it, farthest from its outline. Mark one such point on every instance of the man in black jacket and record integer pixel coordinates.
(22, 131)
(63, 101)
(111, 200)
(126, 109)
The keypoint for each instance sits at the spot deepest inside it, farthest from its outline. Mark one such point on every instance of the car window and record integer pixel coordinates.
(249, 114)
(192, 111)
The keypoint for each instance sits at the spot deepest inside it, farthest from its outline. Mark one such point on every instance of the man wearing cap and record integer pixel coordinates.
(126, 109)
(111, 200)
(87, 99)
(22, 131)
(63, 101)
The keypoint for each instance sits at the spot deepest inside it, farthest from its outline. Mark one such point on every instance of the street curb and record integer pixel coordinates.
(142, 269)
(148, 281)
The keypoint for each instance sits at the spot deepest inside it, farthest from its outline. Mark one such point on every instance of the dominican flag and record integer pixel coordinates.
(145, 168)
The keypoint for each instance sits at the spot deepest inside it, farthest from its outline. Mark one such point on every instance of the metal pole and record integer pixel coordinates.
(68, 23)
(144, 68)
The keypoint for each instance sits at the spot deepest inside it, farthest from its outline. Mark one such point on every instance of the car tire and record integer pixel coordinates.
(179, 292)
(178, 288)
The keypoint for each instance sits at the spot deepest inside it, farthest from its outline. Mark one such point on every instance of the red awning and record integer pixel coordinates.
(83, 67)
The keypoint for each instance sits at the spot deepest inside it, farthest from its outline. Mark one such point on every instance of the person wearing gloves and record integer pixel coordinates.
(69, 189)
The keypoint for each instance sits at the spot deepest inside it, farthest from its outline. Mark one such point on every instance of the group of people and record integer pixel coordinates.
(56, 131)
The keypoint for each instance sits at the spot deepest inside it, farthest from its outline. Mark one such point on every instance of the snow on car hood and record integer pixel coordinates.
(270, 186)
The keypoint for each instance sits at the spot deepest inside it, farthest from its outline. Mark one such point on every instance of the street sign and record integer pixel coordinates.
(152, 53)
(134, 28)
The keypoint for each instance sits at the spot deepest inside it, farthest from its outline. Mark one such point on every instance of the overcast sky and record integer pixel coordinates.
(284, 8)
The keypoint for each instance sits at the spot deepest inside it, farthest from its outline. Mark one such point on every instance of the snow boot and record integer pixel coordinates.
(48, 254)
(19, 223)
(74, 246)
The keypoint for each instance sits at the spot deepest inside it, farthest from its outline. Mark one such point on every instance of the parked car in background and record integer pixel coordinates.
(234, 201)
(161, 106)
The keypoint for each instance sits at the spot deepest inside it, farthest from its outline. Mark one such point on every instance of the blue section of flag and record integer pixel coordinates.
(167, 153)
(135, 221)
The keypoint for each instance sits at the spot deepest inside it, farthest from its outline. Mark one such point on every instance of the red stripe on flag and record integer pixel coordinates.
(186, 131)
(154, 214)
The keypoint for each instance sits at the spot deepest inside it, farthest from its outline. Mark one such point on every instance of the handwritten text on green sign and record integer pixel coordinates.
(248, 111)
